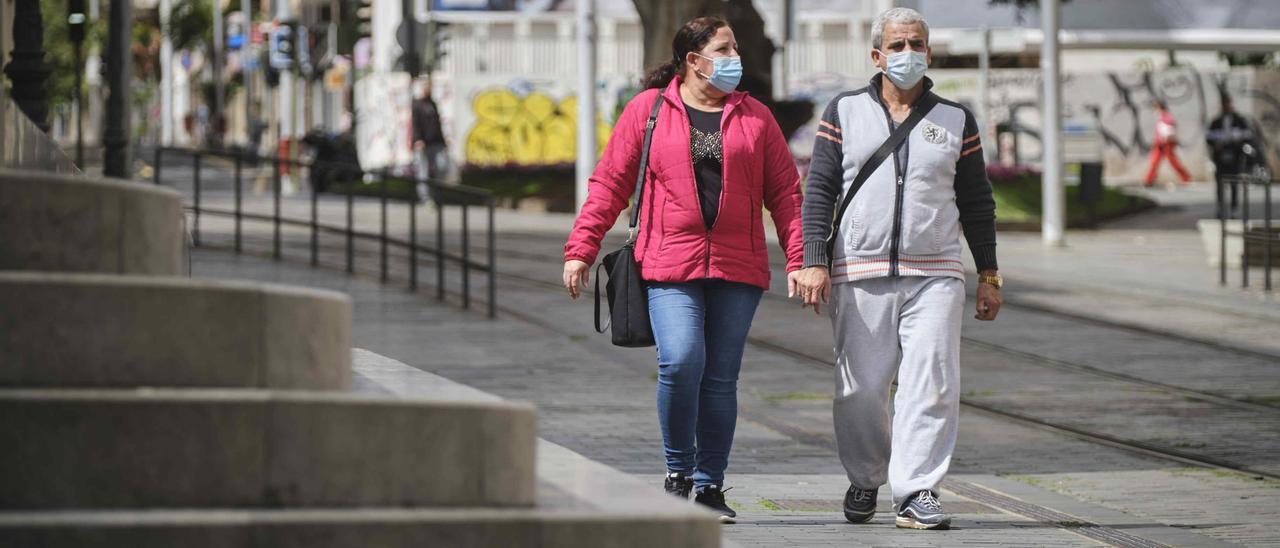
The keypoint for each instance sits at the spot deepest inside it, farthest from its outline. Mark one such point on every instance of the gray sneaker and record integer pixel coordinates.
(859, 504)
(922, 511)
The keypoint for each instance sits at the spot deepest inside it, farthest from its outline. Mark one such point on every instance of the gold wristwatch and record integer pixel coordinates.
(995, 280)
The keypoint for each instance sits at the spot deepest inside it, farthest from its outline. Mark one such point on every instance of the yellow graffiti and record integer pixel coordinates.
(532, 130)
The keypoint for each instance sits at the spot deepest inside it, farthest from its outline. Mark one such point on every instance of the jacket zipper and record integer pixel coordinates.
(706, 272)
(896, 235)
(694, 177)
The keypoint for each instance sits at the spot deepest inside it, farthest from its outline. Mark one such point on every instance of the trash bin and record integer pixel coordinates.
(1091, 188)
(1082, 144)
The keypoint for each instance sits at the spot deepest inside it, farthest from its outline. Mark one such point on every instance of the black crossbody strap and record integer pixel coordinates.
(644, 166)
(895, 140)
(635, 199)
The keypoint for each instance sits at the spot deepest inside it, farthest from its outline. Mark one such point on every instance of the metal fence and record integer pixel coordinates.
(1251, 238)
(443, 197)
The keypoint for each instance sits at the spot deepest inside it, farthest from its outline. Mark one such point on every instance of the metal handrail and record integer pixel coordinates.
(1267, 238)
(470, 197)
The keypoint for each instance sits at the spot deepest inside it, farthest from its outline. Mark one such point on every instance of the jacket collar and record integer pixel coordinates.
(877, 84)
(672, 94)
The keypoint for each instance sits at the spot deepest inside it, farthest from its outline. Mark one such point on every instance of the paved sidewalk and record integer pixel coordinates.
(787, 481)
(1123, 333)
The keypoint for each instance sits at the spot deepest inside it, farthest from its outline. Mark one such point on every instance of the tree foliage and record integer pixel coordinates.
(1249, 59)
(191, 25)
(661, 18)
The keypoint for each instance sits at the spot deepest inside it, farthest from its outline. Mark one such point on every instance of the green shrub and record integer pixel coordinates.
(1018, 195)
(511, 184)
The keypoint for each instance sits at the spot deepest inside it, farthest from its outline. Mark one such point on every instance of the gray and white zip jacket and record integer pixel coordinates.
(906, 218)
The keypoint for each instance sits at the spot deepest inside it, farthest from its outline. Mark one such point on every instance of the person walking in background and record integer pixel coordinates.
(898, 293)
(716, 157)
(1164, 144)
(1227, 136)
(429, 149)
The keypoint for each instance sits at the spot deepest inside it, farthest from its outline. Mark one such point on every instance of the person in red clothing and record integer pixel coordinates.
(716, 158)
(1164, 144)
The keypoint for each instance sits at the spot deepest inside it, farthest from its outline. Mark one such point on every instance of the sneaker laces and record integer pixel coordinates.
(860, 495)
(716, 492)
(927, 500)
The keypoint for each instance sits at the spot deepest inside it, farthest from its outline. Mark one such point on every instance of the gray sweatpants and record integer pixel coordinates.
(909, 327)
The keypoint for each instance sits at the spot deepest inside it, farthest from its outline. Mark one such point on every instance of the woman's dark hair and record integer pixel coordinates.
(692, 36)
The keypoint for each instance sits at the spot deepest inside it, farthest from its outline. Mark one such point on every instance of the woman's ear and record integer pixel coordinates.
(691, 60)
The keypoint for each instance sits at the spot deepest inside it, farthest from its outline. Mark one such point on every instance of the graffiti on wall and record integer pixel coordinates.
(525, 128)
(383, 119)
(1117, 105)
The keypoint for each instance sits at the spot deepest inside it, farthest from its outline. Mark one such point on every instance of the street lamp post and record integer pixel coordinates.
(26, 71)
(586, 98)
(116, 154)
(75, 31)
(1053, 214)
(166, 75)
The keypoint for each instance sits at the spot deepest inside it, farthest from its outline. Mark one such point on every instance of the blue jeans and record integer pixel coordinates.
(701, 328)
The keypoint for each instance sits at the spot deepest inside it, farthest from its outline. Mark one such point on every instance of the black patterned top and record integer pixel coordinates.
(707, 152)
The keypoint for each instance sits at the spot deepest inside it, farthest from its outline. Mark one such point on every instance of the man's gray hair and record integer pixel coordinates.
(900, 16)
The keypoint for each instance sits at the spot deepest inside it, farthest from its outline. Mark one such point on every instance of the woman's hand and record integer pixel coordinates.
(813, 284)
(576, 276)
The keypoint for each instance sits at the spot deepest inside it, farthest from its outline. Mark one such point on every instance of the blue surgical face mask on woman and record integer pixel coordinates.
(905, 68)
(726, 72)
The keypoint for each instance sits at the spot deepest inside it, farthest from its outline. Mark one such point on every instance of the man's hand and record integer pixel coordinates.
(989, 300)
(576, 276)
(812, 284)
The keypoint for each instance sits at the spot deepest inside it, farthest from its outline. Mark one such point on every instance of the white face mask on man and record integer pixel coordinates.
(905, 68)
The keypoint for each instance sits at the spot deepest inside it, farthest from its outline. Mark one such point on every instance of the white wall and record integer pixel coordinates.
(1118, 102)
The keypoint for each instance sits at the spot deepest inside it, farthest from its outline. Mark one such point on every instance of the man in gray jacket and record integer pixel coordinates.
(898, 291)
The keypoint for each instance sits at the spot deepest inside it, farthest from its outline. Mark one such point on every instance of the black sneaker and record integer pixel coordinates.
(859, 504)
(678, 484)
(922, 511)
(712, 497)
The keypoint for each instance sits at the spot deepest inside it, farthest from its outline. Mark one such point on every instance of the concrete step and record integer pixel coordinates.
(385, 528)
(78, 330)
(202, 448)
(579, 503)
(80, 224)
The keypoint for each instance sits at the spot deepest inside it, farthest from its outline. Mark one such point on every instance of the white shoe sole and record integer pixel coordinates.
(910, 523)
(727, 520)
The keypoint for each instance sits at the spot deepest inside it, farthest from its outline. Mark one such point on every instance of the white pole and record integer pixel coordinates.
(1054, 194)
(781, 68)
(586, 98)
(166, 76)
(984, 93)
(246, 28)
(284, 94)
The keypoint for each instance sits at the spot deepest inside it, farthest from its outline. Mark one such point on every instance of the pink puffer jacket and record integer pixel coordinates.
(673, 243)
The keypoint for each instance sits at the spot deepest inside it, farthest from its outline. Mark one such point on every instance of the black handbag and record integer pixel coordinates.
(628, 302)
(922, 107)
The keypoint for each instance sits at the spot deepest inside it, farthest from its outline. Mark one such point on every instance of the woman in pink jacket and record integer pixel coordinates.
(717, 156)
